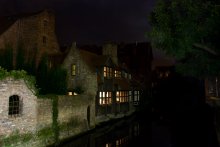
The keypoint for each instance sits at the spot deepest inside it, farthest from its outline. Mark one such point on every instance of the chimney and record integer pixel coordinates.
(110, 49)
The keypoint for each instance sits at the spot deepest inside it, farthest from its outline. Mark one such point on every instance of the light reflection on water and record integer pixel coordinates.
(124, 133)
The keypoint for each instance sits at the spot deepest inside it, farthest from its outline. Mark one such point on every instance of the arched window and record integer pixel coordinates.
(14, 106)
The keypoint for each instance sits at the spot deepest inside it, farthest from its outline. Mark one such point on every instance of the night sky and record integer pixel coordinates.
(91, 21)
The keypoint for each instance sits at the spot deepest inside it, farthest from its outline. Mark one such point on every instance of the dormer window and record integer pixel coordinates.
(107, 72)
(117, 74)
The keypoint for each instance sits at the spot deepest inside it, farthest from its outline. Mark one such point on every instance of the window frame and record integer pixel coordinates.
(122, 96)
(105, 97)
(107, 72)
(14, 106)
(73, 69)
(117, 74)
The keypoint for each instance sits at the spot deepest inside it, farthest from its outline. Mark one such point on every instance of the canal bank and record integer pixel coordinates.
(127, 131)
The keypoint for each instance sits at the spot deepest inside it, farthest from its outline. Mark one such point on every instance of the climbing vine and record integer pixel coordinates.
(20, 74)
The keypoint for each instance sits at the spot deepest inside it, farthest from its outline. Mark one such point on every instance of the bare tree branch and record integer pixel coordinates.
(205, 48)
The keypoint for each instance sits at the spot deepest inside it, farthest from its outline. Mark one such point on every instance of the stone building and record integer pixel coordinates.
(101, 77)
(34, 32)
(103, 84)
(18, 107)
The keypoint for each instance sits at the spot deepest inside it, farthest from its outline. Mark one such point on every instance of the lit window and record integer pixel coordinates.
(70, 93)
(136, 97)
(122, 96)
(107, 72)
(130, 95)
(14, 106)
(117, 74)
(73, 69)
(129, 76)
(105, 98)
(126, 75)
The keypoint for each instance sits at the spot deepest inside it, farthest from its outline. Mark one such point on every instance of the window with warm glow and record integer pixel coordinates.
(105, 98)
(122, 96)
(70, 93)
(73, 70)
(117, 74)
(121, 141)
(107, 72)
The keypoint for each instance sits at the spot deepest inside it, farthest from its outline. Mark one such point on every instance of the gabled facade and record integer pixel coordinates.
(101, 77)
(34, 32)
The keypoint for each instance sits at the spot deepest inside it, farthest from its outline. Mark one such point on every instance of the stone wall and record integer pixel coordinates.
(44, 113)
(75, 114)
(25, 120)
(85, 77)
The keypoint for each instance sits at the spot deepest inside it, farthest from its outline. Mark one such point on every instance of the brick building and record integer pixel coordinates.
(34, 32)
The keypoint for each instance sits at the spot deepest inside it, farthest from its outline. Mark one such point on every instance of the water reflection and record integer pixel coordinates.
(124, 133)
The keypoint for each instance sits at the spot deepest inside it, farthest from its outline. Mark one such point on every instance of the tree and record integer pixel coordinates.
(188, 30)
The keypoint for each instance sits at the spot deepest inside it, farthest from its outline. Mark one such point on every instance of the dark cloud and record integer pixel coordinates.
(89, 21)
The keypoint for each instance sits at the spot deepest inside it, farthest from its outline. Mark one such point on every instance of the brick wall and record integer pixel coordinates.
(26, 121)
(29, 31)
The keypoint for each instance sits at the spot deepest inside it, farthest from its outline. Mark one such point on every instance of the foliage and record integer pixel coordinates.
(20, 74)
(70, 125)
(42, 76)
(57, 78)
(51, 80)
(189, 31)
(55, 125)
(78, 90)
(6, 57)
(47, 80)
(16, 137)
(20, 60)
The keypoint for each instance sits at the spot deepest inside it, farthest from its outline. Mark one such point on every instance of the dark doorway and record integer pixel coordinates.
(88, 115)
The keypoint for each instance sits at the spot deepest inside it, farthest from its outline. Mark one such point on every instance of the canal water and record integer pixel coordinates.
(132, 131)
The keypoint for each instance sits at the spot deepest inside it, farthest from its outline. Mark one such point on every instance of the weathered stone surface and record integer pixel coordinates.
(26, 120)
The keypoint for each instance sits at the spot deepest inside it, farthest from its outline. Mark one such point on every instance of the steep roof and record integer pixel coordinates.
(5, 23)
(93, 60)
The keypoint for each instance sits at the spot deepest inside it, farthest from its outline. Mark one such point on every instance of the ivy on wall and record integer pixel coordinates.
(20, 74)
(48, 79)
